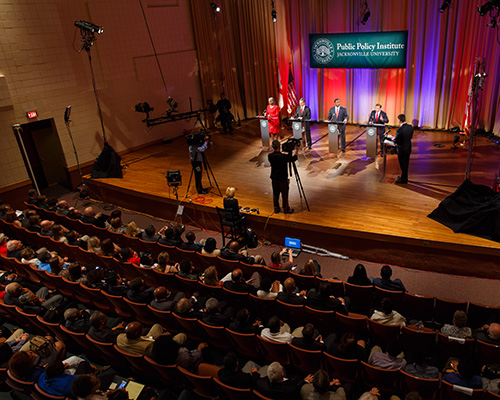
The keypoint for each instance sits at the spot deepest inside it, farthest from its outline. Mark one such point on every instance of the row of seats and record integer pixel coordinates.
(364, 298)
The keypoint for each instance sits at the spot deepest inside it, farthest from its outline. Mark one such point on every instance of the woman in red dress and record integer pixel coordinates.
(273, 116)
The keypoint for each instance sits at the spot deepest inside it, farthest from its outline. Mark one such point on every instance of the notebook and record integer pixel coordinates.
(294, 244)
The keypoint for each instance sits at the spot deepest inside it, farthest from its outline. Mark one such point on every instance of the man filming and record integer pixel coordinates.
(196, 150)
(279, 175)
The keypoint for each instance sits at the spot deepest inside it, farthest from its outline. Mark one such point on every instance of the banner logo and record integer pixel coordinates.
(323, 51)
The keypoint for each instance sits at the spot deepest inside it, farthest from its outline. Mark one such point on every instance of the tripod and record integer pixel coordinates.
(208, 171)
(293, 167)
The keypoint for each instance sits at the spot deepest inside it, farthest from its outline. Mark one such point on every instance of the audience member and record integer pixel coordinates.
(391, 359)
(14, 248)
(55, 381)
(109, 249)
(348, 348)
(459, 328)
(489, 334)
(94, 244)
(242, 323)
(236, 283)
(116, 285)
(132, 230)
(149, 234)
(100, 331)
(419, 368)
(165, 300)
(130, 256)
(58, 233)
(62, 207)
(324, 299)
(387, 315)
(210, 249)
(191, 244)
(168, 350)
(90, 217)
(28, 257)
(359, 276)
(269, 289)
(310, 340)
(385, 281)
(213, 315)
(46, 228)
(133, 342)
(230, 373)
(289, 295)
(164, 264)
(464, 375)
(321, 388)
(210, 277)
(34, 223)
(277, 330)
(77, 320)
(232, 252)
(171, 237)
(275, 386)
(276, 260)
(186, 269)
(311, 268)
(138, 292)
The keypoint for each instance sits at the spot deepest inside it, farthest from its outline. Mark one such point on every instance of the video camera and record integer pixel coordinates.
(197, 138)
(290, 145)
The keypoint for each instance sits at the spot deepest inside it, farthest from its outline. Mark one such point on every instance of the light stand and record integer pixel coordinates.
(477, 85)
(88, 38)
(83, 187)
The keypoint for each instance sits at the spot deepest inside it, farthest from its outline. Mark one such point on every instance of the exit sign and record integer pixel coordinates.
(32, 114)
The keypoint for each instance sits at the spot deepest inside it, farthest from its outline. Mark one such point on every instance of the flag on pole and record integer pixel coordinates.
(281, 103)
(293, 100)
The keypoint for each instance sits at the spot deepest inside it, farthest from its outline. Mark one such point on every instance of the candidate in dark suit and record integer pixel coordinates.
(339, 114)
(402, 140)
(279, 176)
(304, 113)
(378, 116)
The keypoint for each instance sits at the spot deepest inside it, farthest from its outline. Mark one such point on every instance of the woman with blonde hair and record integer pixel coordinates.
(94, 244)
(132, 230)
(164, 265)
(210, 276)
(231, 207)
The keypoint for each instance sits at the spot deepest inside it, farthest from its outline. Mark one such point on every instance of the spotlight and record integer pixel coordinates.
(173, 104)
(89, 27)
(274, 14)
(365, 17)
(487, 7)
(215, 7)
(446, 4)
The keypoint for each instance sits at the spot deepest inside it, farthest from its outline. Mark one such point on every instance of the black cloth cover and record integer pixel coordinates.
(107, 164)
(472, 209)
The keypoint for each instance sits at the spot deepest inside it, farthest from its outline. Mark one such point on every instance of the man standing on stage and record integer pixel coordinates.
(304, 113)
(379, 117)
(225, 117)
(402, 140)
(196, 151)
(279, 176)
(339, 114)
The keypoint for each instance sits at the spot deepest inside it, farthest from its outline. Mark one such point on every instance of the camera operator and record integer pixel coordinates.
(279, 174)
(196, 150)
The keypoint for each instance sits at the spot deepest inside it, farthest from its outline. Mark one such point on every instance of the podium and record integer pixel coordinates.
(264, 131)
(371, 140)
(297, 127)
(333, 137)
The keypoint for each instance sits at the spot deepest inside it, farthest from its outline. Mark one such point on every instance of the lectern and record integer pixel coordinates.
(297, 127)
(371, 140)
(333, 137)
(264, 131)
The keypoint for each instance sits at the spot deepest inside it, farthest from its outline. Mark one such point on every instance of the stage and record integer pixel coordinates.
(354, 209)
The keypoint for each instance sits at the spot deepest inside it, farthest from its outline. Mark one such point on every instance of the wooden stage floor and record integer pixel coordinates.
(355, 209)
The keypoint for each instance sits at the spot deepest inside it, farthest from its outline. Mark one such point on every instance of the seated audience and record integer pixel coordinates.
(419, 368)
(275, 386)
(276, 260)
(242, 323)
(77, 320)
(277, 330)
(191, 244)
(387, 315)
(464, 375)
(459, 328)
(77, 273)
(236, 283)
(185, 309)
(116, 285)
(311, 268)
(100, 331)
(3, 244)
(232, 252)
(109, 249)
(269, 289)
(231, 375)
(133, 342)
(310, 340)
(489, 334)
(90, 217)
(46, 228)
(348, 348)
(149, 234)
(213, 315)
(132, 230)
(323, 299)
(34, 223)
(94, 244)
(62, 207)
(169, 351)
(14, 248)
(55, 381)
(58, 233)
(289, 294)
(171, 237)
(22, 297)
(116, 225)
(385, 281)
(23, 365)
(321, 388)
(74, 239)
(359, 276)
(32, 197)
(28, 257)
(165, 300)
(210, 277)
(186, 269)
(164, 264)
(129, 255)
(138, 292)
(391, 359)
(44, 258)
(210, 249)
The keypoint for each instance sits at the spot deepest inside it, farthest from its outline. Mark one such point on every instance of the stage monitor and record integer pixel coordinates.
(358, 50)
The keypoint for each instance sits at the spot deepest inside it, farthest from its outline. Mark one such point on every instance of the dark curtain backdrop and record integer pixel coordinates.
(236, 49)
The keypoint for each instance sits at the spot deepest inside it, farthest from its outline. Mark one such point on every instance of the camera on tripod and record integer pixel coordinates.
(290, 145)
(197, 138)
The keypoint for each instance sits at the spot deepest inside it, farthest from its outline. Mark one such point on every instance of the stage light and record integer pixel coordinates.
(215, 7)
(488, 6)
(89, 27)
(174, 178)
(446, 4)
(366, 17)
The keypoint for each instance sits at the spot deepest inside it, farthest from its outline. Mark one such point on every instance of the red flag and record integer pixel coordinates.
(293, 100)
